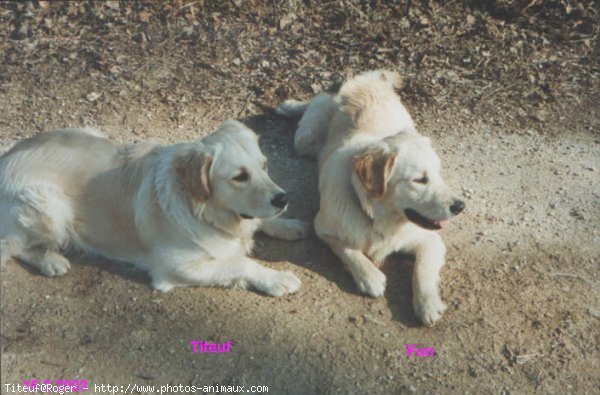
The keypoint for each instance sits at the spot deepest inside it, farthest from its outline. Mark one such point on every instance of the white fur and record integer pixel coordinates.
(173, 210)
(91, 131)
(367, 116)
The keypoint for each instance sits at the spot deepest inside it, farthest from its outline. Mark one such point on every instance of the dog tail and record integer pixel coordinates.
(291, 108)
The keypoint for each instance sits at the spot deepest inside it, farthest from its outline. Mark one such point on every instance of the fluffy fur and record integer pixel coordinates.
(185, 212)
(379, 182)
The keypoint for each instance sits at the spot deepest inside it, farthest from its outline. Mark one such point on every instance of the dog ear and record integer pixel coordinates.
(192, 168)
(373, 168)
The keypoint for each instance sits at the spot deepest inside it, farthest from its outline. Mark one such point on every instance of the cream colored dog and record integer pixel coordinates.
(379, 182)
(185, 212)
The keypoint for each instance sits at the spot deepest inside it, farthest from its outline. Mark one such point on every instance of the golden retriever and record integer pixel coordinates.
(185, 212)
(379, 182)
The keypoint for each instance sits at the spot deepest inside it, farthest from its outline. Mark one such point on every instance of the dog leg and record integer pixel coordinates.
(312, 127)
(286, 229)
(369, 279)
(427, 302)
(48, 262)
(242, 272)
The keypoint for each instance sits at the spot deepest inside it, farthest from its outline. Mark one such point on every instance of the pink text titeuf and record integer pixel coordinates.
(419, 352)
(200, 346)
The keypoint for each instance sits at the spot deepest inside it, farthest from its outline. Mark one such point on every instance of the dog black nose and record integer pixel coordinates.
(457, 207)
(280, 200)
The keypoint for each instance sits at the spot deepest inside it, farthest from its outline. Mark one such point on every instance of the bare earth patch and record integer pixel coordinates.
(508, 93)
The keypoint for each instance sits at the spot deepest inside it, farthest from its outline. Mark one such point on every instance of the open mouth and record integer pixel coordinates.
(423, 221)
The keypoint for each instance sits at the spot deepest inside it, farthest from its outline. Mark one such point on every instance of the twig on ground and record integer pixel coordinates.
(482, 98)
(521, 359)
(561, 274)
(373, 320)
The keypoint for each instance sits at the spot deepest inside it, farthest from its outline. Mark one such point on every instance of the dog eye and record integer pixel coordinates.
(243, 176)
(422, 180)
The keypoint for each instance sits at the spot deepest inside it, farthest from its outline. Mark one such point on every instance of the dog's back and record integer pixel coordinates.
(366, 104)
(52, 184)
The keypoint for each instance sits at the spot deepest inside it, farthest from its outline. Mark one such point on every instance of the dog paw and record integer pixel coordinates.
(428, 307)
(372, 282)
(282, 283)
(293, 229)
(162, 285)
(54, 265)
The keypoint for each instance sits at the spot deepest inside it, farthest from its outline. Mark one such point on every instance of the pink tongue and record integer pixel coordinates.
(443, 223)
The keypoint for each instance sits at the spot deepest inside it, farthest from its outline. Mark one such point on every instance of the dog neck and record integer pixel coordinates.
(172, 199)
(363, 200)
(181, 213)
(378, 213)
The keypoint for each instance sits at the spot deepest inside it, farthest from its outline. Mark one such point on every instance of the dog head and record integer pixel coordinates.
(402, 173)
(231, 172)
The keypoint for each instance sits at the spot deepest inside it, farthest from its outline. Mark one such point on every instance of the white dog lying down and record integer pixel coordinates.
(185, 212)
(379, 182)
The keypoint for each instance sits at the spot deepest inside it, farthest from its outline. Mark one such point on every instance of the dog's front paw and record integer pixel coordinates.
(372, 282)
(163, 285)
(293, 229)
(54, 264)
(281, 283)
(428, 307)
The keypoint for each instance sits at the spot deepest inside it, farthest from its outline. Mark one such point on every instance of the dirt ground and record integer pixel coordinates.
(509, 93)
